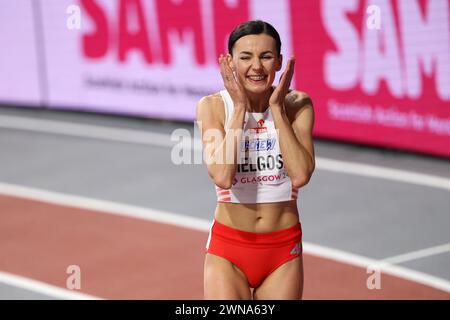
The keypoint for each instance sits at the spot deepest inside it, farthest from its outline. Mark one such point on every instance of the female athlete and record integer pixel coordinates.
(259, 151)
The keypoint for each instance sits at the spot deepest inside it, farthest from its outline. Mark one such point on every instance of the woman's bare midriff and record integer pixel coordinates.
(258, 217)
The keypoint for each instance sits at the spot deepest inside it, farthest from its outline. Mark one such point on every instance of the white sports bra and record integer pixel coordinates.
(260, 175)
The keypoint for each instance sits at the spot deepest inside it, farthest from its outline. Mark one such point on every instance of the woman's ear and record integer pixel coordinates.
(280, 62)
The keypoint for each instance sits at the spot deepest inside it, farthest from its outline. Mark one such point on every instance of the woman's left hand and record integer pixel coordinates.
(278, 95)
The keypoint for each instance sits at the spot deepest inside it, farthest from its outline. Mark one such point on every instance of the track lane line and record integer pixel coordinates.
(108, 207)
(418, 254)
(169, 141)
(86, 131)
(43, 288)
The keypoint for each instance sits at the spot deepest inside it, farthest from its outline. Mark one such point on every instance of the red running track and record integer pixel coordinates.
(128, 258)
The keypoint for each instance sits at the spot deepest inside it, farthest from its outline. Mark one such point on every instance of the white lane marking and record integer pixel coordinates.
(86, 131)
(372, 264)
(383, 173)
(418, 254)
(165, 140)
(104, 206)
(42, 287)
(108, 207)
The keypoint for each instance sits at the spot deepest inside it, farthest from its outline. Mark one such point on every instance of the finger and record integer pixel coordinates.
(223, 70)
(228, 69)
(220, 64)
(227, 65)
(286, 77)
(290, 71)
(281, 81)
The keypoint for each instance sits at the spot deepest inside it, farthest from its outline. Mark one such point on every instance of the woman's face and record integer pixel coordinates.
(255, 62)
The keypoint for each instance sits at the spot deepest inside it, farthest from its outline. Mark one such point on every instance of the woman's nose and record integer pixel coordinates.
(256, 64)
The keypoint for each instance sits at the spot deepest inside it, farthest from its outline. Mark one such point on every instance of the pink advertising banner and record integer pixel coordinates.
(388, 86)
(19, 56)
(378, 71)
(152, 58)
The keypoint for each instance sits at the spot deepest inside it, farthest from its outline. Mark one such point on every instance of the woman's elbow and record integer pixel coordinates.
(301, 180)
(298, 182)
(222, 181)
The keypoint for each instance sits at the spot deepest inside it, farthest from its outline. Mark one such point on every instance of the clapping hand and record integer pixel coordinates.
(232, 85)
(278, 95)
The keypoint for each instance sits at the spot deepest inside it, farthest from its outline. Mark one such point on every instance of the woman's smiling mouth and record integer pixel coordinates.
(257, 79)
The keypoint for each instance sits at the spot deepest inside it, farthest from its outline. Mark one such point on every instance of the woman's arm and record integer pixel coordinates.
(295, 123)
(220, 149)
(293, 116)
(221, 146)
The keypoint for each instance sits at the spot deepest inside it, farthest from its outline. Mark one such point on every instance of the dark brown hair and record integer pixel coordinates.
(253, 27)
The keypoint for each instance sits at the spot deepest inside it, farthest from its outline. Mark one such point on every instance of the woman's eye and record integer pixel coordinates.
(245, 58)
(267, 57)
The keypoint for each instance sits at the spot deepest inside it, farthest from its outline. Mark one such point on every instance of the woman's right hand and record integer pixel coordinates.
(232, 85)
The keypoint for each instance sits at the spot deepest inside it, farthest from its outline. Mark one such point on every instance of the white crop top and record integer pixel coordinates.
(260, 175)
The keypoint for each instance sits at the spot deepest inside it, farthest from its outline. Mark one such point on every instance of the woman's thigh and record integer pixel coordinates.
(286, 282)
(223, 280)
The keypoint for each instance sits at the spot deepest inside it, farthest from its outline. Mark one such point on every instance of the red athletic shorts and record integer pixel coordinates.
(255, 254)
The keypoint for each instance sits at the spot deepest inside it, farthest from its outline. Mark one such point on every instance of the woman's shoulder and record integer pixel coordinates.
(295, 102)
(211, 105)
(211, 99)
(296, 97)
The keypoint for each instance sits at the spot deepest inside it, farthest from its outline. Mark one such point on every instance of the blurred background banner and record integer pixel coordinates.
(19, 61)
(378, 71)
(383, 82)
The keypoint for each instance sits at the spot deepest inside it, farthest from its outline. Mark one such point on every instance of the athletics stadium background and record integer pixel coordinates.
(377, 71)
(386, 87)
